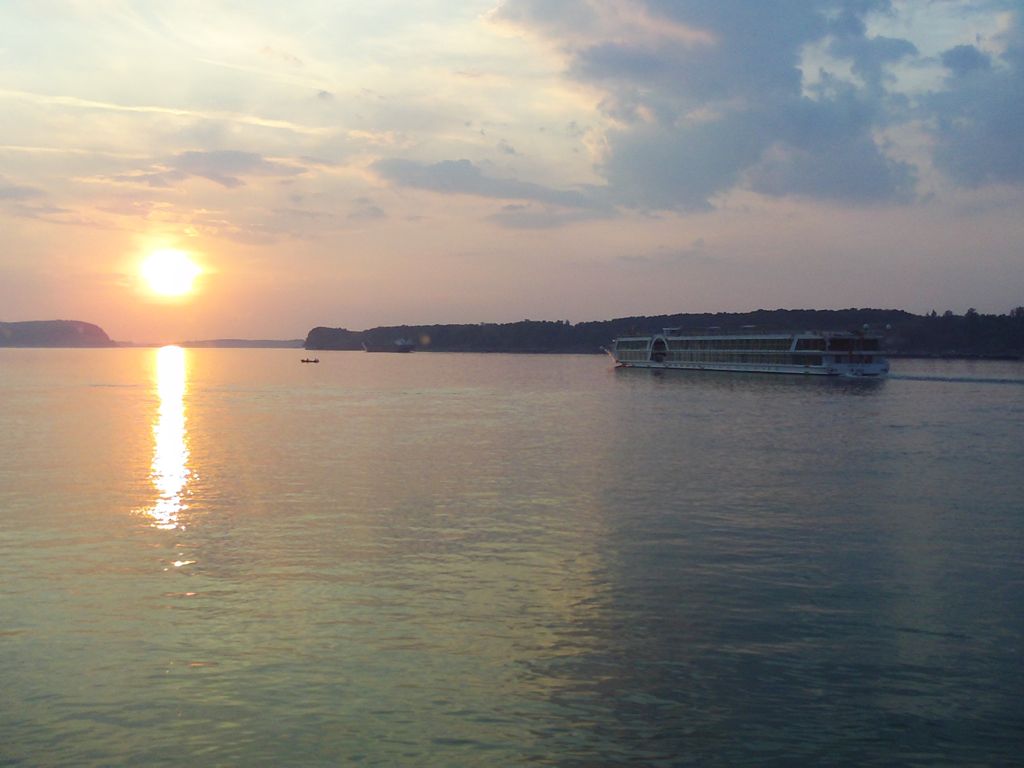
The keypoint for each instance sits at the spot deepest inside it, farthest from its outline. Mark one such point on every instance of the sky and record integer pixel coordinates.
(359, 164)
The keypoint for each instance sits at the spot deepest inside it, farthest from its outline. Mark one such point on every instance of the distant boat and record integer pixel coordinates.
(311, 360)
(398, 345)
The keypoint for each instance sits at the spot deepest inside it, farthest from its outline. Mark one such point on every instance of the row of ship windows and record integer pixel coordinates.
(837, 345)
(749, 358)
(756, 345)
(641, 356)
(697, 357)
(752, 344)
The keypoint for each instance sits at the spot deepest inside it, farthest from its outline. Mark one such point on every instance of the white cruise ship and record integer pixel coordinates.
(811, 353)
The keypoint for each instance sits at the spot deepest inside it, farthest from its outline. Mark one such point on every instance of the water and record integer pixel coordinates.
(224, 557)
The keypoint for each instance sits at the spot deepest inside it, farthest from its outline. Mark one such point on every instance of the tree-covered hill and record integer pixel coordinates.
(53, 333)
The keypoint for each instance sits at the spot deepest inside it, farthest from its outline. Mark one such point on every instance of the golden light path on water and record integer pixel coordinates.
(170, 473)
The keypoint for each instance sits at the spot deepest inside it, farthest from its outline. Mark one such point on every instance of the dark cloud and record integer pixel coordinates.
(824, 148)
(662, 167)
(709, 94)
(979, 117)
(868, 55)
(854, 172)
(871, 56)
(461, 177)
(753, 51)
(963, 59)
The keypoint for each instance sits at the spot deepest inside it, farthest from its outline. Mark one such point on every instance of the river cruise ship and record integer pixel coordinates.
(810, 353)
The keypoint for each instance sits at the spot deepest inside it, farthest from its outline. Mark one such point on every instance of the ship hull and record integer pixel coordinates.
(795, 370)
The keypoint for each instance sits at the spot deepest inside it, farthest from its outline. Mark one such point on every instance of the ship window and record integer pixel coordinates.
(810, 344)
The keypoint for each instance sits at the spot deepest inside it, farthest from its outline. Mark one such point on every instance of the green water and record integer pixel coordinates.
(224, 557)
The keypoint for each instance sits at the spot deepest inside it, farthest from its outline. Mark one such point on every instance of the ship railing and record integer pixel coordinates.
(716, 331)
(751, 330)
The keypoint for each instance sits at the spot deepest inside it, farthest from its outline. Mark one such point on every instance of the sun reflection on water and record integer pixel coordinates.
(170, 472)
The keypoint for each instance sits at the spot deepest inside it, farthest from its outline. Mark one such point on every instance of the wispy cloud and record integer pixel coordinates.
(232, 117)
(365, 209)
(533, 216)
(19, 192)
(462, 177)
(229, 168)
(697, 252)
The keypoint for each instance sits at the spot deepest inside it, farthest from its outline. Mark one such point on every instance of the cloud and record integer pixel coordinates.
(869, 56)
(661, 167)
(160, 178)
(824, 148)
(221, 225)
(963, 59)
(533, 216)
(855, 172)
(281, 56)
(364, 209)
(709, 95)
(239, 118)
(17, 192)
(696, 253)
(29, 203)
(225, 167)
(979, 116)
(462, 177)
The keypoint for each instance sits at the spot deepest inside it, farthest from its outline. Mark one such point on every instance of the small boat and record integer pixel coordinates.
(311, 360)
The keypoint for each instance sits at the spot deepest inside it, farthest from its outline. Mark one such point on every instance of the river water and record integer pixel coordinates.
(226, 557)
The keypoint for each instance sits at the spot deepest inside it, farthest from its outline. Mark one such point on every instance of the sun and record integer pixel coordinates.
(169, 272)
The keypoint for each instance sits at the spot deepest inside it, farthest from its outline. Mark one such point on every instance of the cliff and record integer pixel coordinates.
(53, 333)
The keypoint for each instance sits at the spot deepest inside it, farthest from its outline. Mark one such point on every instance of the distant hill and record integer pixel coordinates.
(53, 333)
(971, 334)
(245, 343)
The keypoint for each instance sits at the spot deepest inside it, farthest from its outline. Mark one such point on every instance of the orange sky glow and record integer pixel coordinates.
(354, 166)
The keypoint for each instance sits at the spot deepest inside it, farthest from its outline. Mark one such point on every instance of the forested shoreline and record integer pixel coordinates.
(933, 335)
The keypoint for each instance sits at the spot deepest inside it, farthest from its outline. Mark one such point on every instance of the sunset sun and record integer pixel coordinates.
(168, 272)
